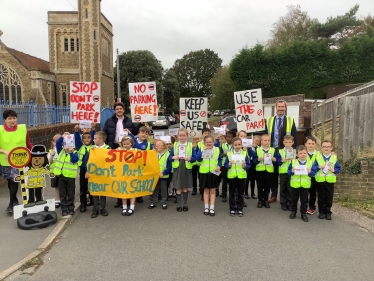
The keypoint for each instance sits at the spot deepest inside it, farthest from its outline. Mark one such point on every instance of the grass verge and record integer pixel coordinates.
(365, 207)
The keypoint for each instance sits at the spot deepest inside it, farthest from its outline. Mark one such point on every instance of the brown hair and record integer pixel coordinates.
(119, 104)
(300, 148)
(326, 141)
(288, 137)
(280, 101)
(208, 137)
(236, 139)
(172, 139)
(265, 135)
(101, 134)
(125, 138)
(144, 129)
(242, 131)
(310, 138)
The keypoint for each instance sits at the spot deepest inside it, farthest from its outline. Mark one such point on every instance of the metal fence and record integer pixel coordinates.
(39, 114)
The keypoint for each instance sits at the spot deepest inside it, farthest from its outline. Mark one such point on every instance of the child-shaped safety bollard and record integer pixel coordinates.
(33, 176)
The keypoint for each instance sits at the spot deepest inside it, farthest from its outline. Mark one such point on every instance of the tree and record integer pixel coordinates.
(194, 72)
(294, 26)
(137, 66)
(222, 90)
(171, 91)
(335, 30)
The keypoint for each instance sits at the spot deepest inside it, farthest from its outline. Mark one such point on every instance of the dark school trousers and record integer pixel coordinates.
(264, 181)
(224, 181)
(66, 188)
(161, 187)
(274, 182)
(83, 188)
(325, 195)
(95, 201)
(251, 179)
(313, 194)
(285, 190)
(301, 193)
(236, 184)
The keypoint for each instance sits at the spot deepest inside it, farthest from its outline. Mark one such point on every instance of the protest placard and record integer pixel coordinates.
(85, 101)
(166, 139)
(249, 112)
(193, 115)
(173, 131)
(84, 124)
(158, 134)
(143, 101)
(122, 173)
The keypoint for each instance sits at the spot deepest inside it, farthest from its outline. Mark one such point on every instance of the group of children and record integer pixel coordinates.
(213, 160)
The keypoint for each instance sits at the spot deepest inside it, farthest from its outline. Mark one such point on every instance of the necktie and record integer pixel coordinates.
(280, 130)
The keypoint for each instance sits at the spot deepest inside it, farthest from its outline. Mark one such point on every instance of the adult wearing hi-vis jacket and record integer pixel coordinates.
(277, 127)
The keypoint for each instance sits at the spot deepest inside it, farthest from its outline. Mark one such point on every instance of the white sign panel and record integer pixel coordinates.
(193, 115)
(85, 100)
(249, 112)
(143, 101)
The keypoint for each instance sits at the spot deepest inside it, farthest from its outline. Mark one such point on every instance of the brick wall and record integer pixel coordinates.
(357, 186)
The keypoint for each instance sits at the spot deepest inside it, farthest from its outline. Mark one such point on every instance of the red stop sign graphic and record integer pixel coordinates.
(96, 98)
(259, 112)
(137, 118)
(151, 87)
(183, 113)
(203, 113)
(192, 134)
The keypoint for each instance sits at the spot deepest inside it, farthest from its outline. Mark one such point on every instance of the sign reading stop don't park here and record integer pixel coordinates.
(143, 101)
(85, 101)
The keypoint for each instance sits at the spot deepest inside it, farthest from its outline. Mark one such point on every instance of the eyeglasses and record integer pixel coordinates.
(326, 146)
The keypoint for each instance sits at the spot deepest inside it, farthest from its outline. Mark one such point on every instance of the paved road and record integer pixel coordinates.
(166, 245)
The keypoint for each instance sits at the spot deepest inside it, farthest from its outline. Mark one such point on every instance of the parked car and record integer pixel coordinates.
(223, 112)
(216, 113)
(171, 119)
(162, 122)
(230, 121)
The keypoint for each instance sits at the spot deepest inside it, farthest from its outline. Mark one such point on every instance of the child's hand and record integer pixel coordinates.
(243, 164)
(284, 160)
(321, 166)
(273, 159)
(309, 170)
(245, 148)
(127, 130)
(17, 178)
(224, 155)
(187, 158)
(161, 175)
(260, 158)
(293, 170)
(87, 175)
(230, 163)
(76, 128)
(175, 157)
(331, 170)
(217, 169)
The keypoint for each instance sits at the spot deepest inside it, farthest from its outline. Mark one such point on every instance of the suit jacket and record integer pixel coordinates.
(293, 132)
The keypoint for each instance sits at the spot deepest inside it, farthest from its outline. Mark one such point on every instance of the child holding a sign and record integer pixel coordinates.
(66, 168)
(165, 169)
(288, 154)
(251, 175)
(52, 157)
(169, 181)
(310, 143)
(225, 148)
(99, 140)
(267, 159)
(183, 155)
(329, 166)
(210, 166)
(237, 162)
(300, 171)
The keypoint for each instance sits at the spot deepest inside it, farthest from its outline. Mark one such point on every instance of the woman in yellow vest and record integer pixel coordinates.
(165, 169)
(237, 162)
(183, 156)
(300, 170)
(12, 135)
(210, 160)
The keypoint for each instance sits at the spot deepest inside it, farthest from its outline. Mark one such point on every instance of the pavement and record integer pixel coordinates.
(167, 245)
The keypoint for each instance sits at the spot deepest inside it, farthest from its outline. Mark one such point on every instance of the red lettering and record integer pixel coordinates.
(85, 87)
(76, 88)
(255, 125)
(126, 156)
(246, 109)
(143, 99)
(139, 88)
(86, 106)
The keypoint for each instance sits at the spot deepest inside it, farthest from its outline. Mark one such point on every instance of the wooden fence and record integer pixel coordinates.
(350, 118)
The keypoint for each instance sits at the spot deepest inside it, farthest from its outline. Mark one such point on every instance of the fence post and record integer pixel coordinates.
(53, 113)
(323, 120)
(1, 111)
(334, 117)
(68, 113)
(31, 110)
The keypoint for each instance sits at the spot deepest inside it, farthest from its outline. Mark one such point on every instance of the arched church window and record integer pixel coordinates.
(10, 85)
(66, 43)
(63, 95)
(72, 45)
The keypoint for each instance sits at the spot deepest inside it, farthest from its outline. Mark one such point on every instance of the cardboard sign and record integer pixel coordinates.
(327, 167)
(122, 134)
(85, 124)
(173, 132)
(237, 159)
(122, 173)
(182, 151)
(143, 101)
(249, 112)
(193, 115)
(247, 142)
(268, 159)
(157, 135)
(165, 139)
(85, 101)
(301, 170)
(69, 141)
(207, 154)
(290, 153)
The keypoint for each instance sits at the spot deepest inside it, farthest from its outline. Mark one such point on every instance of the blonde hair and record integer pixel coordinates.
(157, 140)
(125, 138)
(183, 130)
(101, 134)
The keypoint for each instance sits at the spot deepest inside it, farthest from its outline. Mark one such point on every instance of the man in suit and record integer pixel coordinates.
(277, 127)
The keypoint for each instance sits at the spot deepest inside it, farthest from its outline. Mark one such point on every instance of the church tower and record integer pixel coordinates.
(89, 14)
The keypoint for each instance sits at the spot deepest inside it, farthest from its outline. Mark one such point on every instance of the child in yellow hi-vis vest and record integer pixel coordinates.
(300, 171)
(310, 143)
(329, 166)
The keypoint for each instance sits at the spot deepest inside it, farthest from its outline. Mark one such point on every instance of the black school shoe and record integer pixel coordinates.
(104, 212)
(304, 218)
(139, 199)
(321, 216)
(164, 207)
(254, 196)
(328, 216)
(9, 210)
(94, 214)
(224, 198)
(245, 204)
(64, 213)
(246, 196)
(185, 208)
(82, 209)
(151, 206)
(71, 212)
(284, 208)
(179, 209)
(266, 204)
(292, 215)
(194, 191)
(260, 204)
